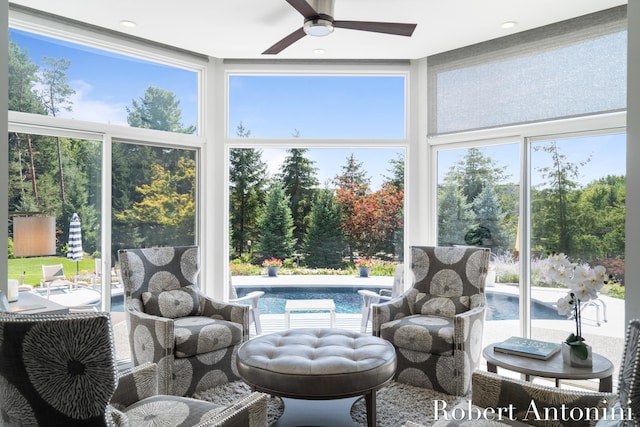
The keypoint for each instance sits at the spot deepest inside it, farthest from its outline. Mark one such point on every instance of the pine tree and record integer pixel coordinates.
(455, 216)
(158, 109)
(491, 217)
(324, 241)
(353, 185)
(247, 182)
(275, 225)
(298, 178)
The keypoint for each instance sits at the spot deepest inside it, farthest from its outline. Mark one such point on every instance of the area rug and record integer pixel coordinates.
(399, 403)
(228, 393)
(396, 403)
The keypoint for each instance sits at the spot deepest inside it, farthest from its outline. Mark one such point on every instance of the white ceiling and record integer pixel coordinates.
(245, 28)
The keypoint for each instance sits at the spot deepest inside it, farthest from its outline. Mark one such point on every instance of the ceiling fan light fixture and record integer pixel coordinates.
(318, 27)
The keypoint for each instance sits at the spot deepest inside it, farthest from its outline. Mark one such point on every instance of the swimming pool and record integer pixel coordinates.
(348, 301)
(499, 306)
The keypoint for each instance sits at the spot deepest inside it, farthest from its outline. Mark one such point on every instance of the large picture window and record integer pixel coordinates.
(64, 79)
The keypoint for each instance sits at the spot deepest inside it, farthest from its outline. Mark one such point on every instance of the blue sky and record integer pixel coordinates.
(338, 108)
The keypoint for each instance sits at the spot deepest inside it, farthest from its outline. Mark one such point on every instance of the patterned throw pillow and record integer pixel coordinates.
(434, 305)
(172, 304)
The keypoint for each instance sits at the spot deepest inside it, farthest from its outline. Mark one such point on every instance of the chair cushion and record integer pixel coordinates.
(426, 334)
(173, 303)
(434, 305)
(170, 411)
(198, 334)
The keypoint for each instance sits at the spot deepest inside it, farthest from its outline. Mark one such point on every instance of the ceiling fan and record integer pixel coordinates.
(318, 21)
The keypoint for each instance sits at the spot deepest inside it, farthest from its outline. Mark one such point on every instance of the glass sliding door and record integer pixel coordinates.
(478, 205)
(58, 177)
(578, 187)
(153, 196)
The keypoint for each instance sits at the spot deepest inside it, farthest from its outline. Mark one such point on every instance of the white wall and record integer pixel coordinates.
(4, 146)
(632, 239)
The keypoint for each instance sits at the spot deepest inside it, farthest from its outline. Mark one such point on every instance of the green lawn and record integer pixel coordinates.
(32, 267)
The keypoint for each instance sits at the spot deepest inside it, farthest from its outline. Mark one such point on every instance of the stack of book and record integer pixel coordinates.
(527, 347)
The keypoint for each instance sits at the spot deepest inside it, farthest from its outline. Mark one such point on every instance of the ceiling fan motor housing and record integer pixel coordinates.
(323, 7)
(321, 24)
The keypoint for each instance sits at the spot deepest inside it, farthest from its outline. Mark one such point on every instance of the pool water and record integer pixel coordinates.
(348, 301)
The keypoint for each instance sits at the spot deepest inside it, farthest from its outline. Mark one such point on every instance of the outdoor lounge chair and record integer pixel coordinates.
(253, 298)
(370, 297)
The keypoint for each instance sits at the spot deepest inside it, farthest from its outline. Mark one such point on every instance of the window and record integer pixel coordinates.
(315, 106)
(578, 187)
(64, 79)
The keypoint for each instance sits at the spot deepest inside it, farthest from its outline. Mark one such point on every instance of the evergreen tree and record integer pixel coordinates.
(353, 185)
(275, 225)
(397, 172)
(474, 172)
(491, 218)
(455, 216)
(247, 182)
(554, 201)
(55, 94)
(158, 109)
(324, 241)
(22, 97)
(298, 178)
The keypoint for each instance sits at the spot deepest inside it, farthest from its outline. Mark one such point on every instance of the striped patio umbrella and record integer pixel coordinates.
(74, 252)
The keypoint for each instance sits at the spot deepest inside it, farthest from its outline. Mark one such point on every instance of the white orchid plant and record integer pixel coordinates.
(584, 283)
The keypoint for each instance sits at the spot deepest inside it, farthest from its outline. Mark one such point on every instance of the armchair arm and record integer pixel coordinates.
(152, 340)
(249, 411)
(393, 309)
(237, 313)
(492, 391)
(134, 385)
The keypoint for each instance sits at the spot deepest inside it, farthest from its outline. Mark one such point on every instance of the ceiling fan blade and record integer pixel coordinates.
(396, 28)
(285, 42)
(303, 7)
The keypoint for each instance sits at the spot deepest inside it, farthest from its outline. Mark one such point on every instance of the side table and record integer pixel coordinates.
(554, 367)
(30, 303)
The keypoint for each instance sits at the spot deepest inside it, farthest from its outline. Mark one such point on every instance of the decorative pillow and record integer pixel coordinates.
(434, 305)
(171, 304)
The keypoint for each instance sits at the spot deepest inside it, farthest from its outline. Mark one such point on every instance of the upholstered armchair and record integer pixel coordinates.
(192, 338)
(59, 370)
(436, 325)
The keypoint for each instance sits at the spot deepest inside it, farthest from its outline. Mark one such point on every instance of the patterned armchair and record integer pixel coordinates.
(192, 338)
(59, 370)
(436, 326)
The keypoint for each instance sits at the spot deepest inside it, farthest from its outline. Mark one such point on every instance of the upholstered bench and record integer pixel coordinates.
(318, 364)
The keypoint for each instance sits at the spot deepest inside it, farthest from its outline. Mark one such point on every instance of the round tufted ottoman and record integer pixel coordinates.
(318, 363)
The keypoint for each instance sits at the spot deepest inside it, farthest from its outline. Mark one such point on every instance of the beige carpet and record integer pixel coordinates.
(396, 403)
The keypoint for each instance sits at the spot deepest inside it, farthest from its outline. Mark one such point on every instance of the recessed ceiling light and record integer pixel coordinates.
(319, 51)
(508, 24)
(127, 23)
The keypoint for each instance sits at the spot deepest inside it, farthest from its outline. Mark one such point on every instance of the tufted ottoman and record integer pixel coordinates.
(318, 363)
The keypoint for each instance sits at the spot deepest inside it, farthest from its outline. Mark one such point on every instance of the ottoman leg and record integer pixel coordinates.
(370, 403)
